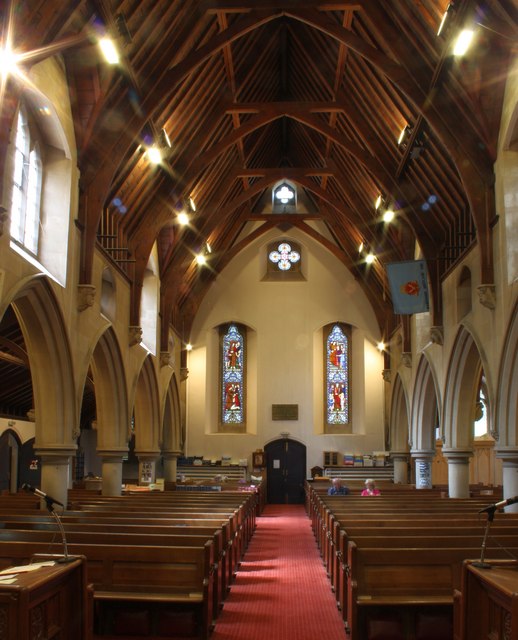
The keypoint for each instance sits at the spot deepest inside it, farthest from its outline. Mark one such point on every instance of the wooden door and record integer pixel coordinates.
(286, 471)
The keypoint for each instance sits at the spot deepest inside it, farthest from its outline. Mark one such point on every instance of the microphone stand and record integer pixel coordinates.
(50, 508)
(481, 564)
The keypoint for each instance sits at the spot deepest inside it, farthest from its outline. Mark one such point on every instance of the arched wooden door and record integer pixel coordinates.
(286, 471)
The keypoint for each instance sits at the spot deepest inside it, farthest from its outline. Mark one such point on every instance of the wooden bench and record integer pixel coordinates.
(393, 586)
(172, 586)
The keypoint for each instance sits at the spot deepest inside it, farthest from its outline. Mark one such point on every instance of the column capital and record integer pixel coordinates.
(457, 456)
(508, 455)
(487, 295)
(399, 455)
(171, 455)
(422, 453)
(111, 455)
(57, 454)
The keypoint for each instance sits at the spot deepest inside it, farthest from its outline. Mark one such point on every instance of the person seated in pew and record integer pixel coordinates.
(337, 488)
(370, 488)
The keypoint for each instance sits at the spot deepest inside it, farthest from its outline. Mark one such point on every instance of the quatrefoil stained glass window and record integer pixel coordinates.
(284, 256)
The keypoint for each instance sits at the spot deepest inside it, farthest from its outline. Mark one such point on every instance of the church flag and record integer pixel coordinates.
(409, 286)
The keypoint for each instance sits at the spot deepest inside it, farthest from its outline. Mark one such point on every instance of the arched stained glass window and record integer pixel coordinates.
(337, 349)
(233, 346)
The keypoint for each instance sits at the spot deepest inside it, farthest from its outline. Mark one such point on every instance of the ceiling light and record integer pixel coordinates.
(380, 346)
(369, 258)
(378, 202)
(449, 8)
(188, 346)
(403, 133)
(166, 138)
(463, 41)
(154, 155)
(183, 218)
(388, 216)
(8, 61)
(201, 259)
(109, 51)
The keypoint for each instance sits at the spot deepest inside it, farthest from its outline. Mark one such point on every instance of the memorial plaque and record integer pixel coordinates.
(285, 411)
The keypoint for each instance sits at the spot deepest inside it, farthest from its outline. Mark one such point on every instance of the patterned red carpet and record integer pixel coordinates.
(281, 591)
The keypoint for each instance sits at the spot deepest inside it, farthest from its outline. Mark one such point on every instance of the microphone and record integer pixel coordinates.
(499, 505)
(50, 499)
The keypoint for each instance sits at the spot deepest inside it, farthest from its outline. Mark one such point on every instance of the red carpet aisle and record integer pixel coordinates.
(281, 591)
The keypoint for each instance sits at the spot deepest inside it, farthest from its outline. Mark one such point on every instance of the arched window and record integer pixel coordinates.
(26, 185)
(337, 341)
(233, 377)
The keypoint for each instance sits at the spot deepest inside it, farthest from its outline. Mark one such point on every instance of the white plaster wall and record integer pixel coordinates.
(285, 355)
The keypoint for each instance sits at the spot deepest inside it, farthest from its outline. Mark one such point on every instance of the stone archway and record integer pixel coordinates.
(399, 431)
(48, 350)
(147, 421)
(172, 443)
(458, 414)
(111, 397)
(424, 417)
(506, 413)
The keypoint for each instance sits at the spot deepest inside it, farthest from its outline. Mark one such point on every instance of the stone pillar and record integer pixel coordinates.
(400, 461)
(111, 474)
(423, 469)
(510, 477)
(146, 468)
(458, 472)
(170, 465)
(55, 473)
(423, 473)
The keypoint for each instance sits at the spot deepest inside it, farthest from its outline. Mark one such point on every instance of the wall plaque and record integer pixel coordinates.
(285, 411)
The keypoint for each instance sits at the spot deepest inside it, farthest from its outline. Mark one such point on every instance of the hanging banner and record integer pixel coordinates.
(408, 286)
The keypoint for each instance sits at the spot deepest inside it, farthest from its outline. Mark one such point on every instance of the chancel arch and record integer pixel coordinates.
(399, 431)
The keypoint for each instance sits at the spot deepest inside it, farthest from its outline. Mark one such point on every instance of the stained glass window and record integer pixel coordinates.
(337, 376)
(233, 376)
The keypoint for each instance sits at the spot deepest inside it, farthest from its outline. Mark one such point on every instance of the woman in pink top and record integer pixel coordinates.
(370, 488)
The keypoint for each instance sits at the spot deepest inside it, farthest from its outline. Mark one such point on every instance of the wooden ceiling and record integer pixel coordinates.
(254, 92)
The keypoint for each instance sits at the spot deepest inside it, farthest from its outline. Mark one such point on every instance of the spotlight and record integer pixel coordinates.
(388, 216)
(183, 218)
(369, 258)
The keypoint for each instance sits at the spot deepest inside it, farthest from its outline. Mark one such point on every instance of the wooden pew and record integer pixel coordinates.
(402, 581)
(172, 585)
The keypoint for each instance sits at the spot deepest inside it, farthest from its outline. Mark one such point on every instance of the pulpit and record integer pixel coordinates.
(487, 606)
(47, 602)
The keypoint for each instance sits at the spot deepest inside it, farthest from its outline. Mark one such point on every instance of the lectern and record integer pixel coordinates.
(48, 602)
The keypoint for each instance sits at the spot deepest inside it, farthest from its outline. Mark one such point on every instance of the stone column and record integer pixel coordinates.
(146, 468)
(111, 473)
(400, 462)
(510, 477)
(55, 472)
(170, 465)
(458, 472)
(423, 469)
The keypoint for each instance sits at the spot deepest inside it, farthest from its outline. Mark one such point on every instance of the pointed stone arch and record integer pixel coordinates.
(459, 406)
(399, 431)
(426, 408)
(110, 394)
(506, 412)
(147, 413)
(48, 349)
(173, 431)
